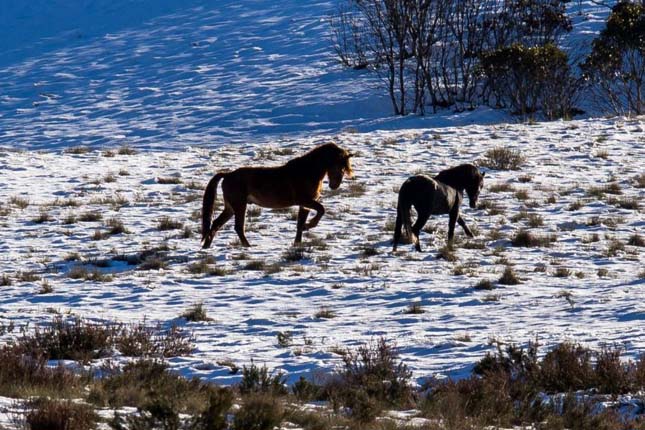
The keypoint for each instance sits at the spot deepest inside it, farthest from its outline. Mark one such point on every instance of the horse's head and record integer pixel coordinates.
(474, 188)
(339, 166)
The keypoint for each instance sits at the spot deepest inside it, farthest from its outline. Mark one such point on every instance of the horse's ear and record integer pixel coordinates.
(350, 155)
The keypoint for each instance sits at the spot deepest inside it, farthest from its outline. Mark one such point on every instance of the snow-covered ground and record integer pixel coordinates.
(213, 86)
(368, 296)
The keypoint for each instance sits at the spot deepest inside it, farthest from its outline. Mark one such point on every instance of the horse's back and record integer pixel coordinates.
(424, 192)
(417, 190)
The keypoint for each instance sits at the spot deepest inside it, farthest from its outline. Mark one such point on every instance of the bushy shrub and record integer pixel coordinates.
(74, 339)
(259, 412)
(502, 158)
(147, 382)
(22, 373)
(530, 79)
(615, 68)
(508, 386)
(59, 415)
(258, 380)
(370, 379)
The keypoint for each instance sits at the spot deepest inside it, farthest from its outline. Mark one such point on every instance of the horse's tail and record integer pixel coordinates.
(403, 219)
(407, 222)
(208, 205)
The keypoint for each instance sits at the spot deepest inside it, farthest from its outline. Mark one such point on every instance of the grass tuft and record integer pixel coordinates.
(509, 277)
(196, 313)
(502, 158)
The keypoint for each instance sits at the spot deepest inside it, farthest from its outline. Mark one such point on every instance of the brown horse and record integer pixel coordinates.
(442, 194)
(298, 182)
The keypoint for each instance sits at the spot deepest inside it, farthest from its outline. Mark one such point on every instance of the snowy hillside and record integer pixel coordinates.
(154, 75)
(216, 85)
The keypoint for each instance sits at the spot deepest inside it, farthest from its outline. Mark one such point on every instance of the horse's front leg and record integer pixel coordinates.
(302, 218)
(320, 211)
(463, 225)
(454, 215)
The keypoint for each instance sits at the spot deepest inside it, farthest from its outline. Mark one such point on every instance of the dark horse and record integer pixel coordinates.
(298, 182)
(442, 194)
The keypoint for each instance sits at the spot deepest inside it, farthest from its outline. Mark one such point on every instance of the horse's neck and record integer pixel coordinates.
(454, 183)
(307, 168)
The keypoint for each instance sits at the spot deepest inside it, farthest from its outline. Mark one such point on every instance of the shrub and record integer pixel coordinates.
(508, 386)
(528, 79)
(126, 150)
(94, 274)
(142, 340)
(169, 180)
(502, 158)
(22, 374)
(213, 417)
(90, 217)
(562, 272)
(258, 380)
(27, 276)
(305, 390)
(636, 240)
(372, 376)
(284, 338)
(255, 265)
(509, 277)
(527, 239)
(535, 220)
(484, 284)
(295, 253)
(60, 415)
(141, 383)
(369, 251)
(325, 313)
(567, 367)
(74, 339)
(20, 202)
(158, 413)
(115, 226)
(153, 262)
(196, 313)
(5, 280)
(258, 412)
(614, 68)
(414, 308)
(447, 253)
(44, 216)
(166, 223)
(204, 266)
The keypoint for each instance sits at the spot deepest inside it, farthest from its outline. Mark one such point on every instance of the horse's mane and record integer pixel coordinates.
(458, 177)
(319, 158)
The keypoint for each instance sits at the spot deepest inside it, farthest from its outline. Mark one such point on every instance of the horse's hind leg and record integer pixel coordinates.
(422, 218)
(302, 218)
(463, 225)
(240, 213)
(397, 229)
(222, 219)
